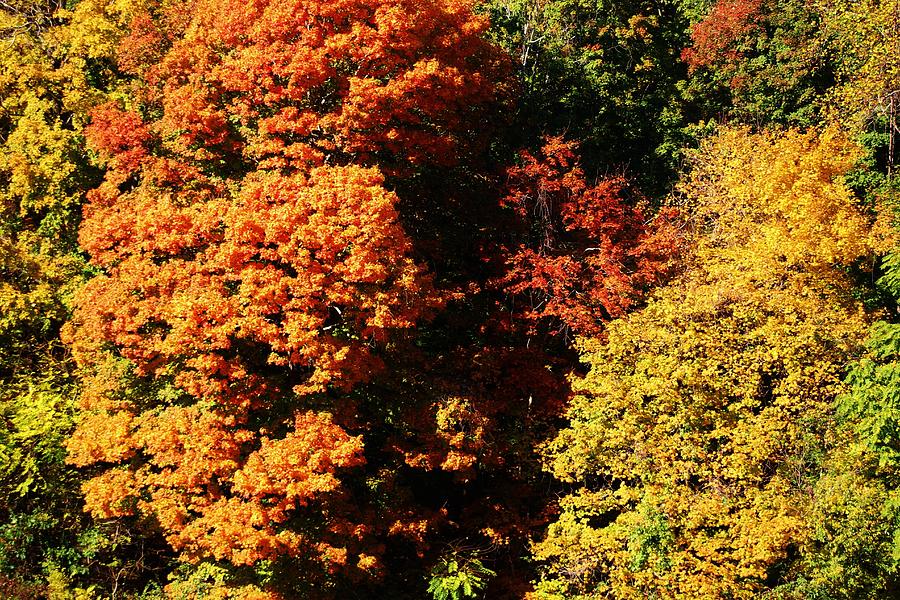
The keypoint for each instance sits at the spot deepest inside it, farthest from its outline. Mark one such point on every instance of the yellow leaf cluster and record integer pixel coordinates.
(694, 440)
(783, 194)
(47, 62)
(866, 37)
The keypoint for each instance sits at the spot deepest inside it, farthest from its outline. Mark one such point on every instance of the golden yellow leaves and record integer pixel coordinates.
(867, 37)
(46, 95)
(782, 194)
(695, 438)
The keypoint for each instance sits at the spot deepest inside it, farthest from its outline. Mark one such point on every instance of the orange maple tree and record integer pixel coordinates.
(253, 265)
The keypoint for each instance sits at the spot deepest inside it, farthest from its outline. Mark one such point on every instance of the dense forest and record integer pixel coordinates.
(449, 299)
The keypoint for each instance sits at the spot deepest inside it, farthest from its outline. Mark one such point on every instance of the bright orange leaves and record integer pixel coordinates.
(590, 254)
(292, 84)
(192, 454)
(118, 137)
(292, 263)
(301, 464)
(253, 262)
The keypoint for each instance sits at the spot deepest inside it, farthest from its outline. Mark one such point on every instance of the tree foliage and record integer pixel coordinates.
(696, 439)
(254, 271)
(762, 61)
(54, 66)
(605, 73)
(588, 252)
(339, 278)
(859, 523)
(866, 40)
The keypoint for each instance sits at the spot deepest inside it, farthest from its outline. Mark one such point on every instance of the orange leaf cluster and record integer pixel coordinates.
(253, 267)
(287, 265)
(293, 84)
(209, 491)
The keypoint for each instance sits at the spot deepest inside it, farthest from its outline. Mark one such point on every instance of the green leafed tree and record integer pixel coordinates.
(606, 73)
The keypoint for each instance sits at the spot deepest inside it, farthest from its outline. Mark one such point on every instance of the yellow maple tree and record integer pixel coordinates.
(697, 435)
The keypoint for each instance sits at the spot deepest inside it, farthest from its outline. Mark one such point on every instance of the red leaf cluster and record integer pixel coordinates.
(589, 252)
(714, 37)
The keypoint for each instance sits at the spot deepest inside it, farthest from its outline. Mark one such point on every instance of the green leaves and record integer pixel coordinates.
(457, 577)
(605, 73)
(872, 405)
(650, 540)
(38, 420)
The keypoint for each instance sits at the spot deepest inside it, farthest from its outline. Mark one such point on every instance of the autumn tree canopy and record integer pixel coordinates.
(587, 253)
(703, 422)
(449, 299)
(253, 264)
